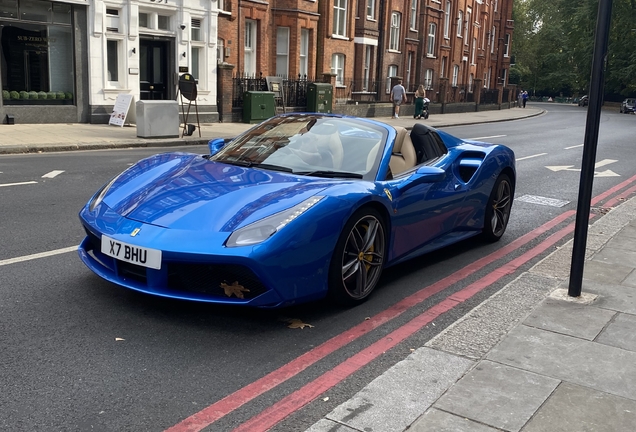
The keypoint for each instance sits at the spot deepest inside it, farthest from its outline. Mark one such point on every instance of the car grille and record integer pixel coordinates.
(208, 279)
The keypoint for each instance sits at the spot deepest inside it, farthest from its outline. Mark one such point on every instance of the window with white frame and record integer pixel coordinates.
(282, 51)
(144, 20)
(469, 25)
(428, 79)
(340, 18)
(455, 75)
(507, 45)
(394, 35)
(492, 37)
(196, 60)
(337, 67)
(304, 52)
(220, 54)
(430, 45)
(392, 72)
(472, 53)
(489, 75)
(504, 76)
(447, 12)
(483, 35)
(443, 71)
(371, 9)
(413, 14)
(409, 65)
(367, 67)
(163, 22)
(249, 51)
(195, 29)
(496, 4)
(460, 23)
(112, 19)
(112, 60)
(470, 83)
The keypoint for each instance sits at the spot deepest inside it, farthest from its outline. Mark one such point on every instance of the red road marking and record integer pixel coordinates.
(235, 400)
(296, 400)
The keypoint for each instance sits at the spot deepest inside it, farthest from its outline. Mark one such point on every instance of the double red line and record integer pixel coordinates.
(301, 397)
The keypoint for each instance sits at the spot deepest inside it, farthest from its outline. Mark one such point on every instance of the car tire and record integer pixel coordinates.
(358, 258)
(498, 209)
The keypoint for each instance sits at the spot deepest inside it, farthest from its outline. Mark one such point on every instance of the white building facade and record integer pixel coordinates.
(141, 47)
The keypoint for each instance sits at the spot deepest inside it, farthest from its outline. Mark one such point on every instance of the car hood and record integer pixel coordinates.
(185, 191)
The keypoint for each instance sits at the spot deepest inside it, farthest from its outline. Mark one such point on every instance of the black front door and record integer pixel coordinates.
(153, 69)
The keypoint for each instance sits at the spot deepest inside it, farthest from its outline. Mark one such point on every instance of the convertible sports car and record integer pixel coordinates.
(299, 207)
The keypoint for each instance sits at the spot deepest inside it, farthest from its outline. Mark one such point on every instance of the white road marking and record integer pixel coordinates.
(569, 148)
(53, 174)
(530, 157)
(18, 184)
(534, 199)
(606, 173)
(37, 255)
(487, 137)
(604, 162)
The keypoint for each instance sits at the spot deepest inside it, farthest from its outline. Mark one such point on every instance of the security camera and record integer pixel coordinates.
(182, 26)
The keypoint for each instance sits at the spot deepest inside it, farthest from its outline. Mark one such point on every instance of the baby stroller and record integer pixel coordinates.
(425, 108)
(421, 108)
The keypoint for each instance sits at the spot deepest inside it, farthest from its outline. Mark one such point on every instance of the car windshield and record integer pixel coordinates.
(310, 144)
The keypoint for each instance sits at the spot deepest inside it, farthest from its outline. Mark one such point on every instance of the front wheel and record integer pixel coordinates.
(358, 258)
(498, 209)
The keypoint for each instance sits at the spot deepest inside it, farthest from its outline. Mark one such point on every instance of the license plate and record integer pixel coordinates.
(141, 256)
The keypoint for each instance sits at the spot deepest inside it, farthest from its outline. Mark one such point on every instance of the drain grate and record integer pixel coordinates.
(534, 199)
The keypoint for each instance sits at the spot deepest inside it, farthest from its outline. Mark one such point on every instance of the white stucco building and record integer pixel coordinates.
(140, 47)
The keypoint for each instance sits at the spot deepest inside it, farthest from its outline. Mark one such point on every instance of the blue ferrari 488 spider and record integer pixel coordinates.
(299, 207)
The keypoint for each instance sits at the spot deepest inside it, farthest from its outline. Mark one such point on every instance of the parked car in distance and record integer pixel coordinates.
(584, 101)
(628, 106)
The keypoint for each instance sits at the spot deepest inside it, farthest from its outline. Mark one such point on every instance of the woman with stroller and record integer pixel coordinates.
(420, 94)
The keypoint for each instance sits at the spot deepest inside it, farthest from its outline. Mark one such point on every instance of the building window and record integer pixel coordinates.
(409, 65)
(443, 71)
(470, 83)
(282, 51)
(195, 58)
(447, 12)
(367, 67)
(220, 54)
(460, 23)
(483, 35)
(195, 29)
(304, 51)
(340, 17)
(493, 39)
(371, 9)
(163, 22)
(468, 26)
(249, 52)
(428, 79)
(455, 75)
(413, 14)
(489, 75)
(112, 60)
(507, 45)
(112, 19)
(337, 67)
(504, 75)
(394, 37)
(430, 46)
(472, 53)
(143, 20)
(36, 60)
(392, 72)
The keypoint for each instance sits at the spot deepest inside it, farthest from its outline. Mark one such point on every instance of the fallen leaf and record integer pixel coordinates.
(296, 323)
(234, 289)
(119, 339)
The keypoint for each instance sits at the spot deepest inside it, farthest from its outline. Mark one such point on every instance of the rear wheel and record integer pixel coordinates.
(498, 209)
(358, 258)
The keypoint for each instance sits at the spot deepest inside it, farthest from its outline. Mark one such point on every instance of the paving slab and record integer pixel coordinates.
(482, 328)
(620, 333)
(573, 408)
(325, 425)
(616, 256)
(568, 318)
(415, 382)
(622, 242)
(570, 359)
(603, 272)
(435, 420)
(619, 298)
(630, 280)
(498, 395)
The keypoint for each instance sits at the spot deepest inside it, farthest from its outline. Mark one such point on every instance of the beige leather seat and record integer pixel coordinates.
(403, 156)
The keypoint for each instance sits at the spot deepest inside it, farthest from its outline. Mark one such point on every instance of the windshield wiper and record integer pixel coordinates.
(330, 174)
(255, 165)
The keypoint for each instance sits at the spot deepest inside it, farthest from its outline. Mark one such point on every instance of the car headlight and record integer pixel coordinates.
(263, 229)
(99, 196)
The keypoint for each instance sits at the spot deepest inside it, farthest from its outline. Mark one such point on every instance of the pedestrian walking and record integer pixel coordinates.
(520, 98)
(525, 98)
(398, 96)
(420, 94)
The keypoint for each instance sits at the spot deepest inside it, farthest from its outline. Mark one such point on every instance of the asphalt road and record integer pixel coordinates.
(64, 367)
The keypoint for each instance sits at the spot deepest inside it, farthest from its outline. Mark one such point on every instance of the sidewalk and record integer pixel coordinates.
(35, 138)
(527, 359)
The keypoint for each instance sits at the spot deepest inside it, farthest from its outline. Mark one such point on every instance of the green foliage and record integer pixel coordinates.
(24, 95)
(6, 95)
(33, 95)
(14, 95)
(68, 95)
(50, 95)
(41, 95)
(60, 95)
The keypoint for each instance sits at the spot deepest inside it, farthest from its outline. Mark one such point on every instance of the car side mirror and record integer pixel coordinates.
(215, 145)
